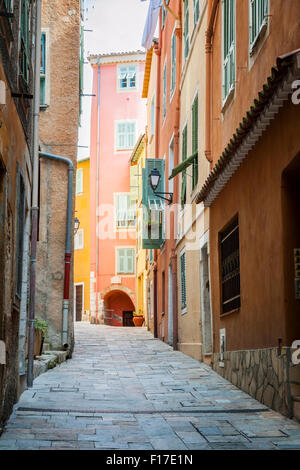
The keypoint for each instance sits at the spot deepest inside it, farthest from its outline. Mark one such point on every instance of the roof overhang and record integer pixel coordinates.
(271, 98)
(117, 57)
(139, 147)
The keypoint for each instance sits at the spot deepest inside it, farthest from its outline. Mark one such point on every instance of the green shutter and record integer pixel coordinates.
(183, 176)
(186, 28)
(24, 40)
(153, 220)
(195, 141)
(228, 19)
(258, 11)
(130, 260)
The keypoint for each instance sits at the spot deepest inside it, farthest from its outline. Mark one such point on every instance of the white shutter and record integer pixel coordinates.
(130, 260)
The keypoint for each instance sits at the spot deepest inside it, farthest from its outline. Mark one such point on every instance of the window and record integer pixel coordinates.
(258, 19)
(20, 234)
(125, 260)
(78, 240)
(153, 115)
(151, 257)
(165, 90)
(163, 16)
(125, 135)
(125, 211)
(43, 71)
(173, 63)
(184, 157)
(186, 40)
(79, 181)
(196, 11)
(230, 266)
(183, 281)
(195, 141)
(228, 47)
(127, 77)
(24, 61)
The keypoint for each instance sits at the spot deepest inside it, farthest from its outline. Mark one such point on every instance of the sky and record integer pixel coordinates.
(117, 26)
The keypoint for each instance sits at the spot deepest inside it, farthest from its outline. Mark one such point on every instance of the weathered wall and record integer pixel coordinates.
(58, 135)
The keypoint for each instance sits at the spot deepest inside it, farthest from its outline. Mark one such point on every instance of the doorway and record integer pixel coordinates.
(78, 301)
(170, 306)
(205, 297)
(128, 319)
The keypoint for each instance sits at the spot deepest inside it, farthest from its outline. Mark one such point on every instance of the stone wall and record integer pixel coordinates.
(266, 374)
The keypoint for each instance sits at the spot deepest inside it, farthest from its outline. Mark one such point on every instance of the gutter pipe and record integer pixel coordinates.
(68, 254)
(97, 196)
(35, 189)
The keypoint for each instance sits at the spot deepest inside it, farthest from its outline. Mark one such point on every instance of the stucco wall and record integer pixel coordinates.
(58, 135)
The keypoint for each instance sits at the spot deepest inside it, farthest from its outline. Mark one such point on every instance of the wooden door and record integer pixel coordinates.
(128, 319)
(78, 301)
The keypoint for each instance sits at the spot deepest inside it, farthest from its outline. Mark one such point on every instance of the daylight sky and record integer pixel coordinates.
(117, 26)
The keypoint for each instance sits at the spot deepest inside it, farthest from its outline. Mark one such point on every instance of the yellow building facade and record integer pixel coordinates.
(82, 243)
(137, 163)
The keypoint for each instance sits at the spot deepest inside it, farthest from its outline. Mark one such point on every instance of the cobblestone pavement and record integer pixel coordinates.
(125, 390)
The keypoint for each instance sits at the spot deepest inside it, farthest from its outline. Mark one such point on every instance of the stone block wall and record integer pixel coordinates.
(268, 375)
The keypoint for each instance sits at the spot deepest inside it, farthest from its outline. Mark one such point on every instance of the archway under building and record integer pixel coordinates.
(118, 309)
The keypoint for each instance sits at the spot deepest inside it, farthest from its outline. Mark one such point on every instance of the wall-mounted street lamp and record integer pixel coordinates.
(76, 225)
(154, 178)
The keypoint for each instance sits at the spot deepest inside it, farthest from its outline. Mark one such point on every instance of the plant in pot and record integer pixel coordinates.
(138, 318)
(40, 333)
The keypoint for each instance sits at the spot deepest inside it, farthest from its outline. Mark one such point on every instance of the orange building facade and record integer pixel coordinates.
(118, 118)
(252, 138)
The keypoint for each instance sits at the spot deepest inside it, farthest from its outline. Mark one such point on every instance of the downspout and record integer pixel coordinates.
(211, 12)
(178, 33)
(97, 192)
(35, 190)
(68, 255)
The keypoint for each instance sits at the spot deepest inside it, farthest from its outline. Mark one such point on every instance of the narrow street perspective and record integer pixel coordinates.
(123, 389)
(150, 226)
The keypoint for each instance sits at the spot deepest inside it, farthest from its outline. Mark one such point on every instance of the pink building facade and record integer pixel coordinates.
(118, 117)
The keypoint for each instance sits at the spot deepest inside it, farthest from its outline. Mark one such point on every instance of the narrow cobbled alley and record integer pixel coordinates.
(123, 389)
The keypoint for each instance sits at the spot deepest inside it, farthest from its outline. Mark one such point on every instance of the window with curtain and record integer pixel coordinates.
(125, 135)
(125, 260)
(228, 20)
(195, 141)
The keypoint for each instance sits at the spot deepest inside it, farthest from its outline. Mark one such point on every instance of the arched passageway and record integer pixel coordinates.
(118, 309)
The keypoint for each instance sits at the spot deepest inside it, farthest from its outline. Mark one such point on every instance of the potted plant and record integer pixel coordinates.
(138, 318)
(40, 333)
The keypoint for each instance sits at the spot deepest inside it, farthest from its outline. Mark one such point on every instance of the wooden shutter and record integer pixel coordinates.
(20, 234)
(184, 157)
(130, 260)
(186, 28)
(134, 183)
(228, 46)
(121, 260)
(182, 281)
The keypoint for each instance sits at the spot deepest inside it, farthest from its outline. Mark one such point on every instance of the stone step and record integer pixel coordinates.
(296, 407)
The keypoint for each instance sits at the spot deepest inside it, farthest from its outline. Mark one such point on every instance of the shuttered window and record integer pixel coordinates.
(24, 40)
(125, 260)
(196, 11)
(182, 281)
(125, 135)
(20, 234)
(230, 267)
(228, 18)
(183, 175)
(195, 141)
(127, 77)
(258, 11)
(153, 115)
(173, 63)
(125, 211)
(165, 90)
(186, 39)
(79, 240)
(79, 181)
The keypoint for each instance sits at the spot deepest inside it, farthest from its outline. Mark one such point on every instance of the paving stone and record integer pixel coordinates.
(122, 381)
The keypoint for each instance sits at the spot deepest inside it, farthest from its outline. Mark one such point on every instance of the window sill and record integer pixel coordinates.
(184, 311)
(43, 107)
(228, 100)
(255, 45)
(236, 310)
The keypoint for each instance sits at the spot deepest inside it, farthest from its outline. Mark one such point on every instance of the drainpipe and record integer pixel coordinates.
(178, 33)
(97, 191)
(157, 50)
(69, 228)
(35, 188)
(212, 10)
